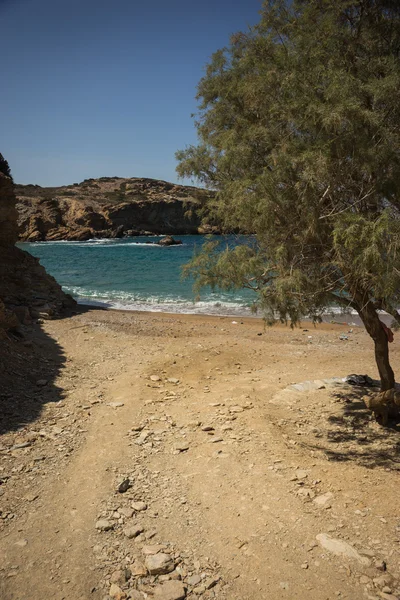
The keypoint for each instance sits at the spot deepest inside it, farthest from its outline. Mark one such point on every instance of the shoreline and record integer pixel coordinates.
(255, 321)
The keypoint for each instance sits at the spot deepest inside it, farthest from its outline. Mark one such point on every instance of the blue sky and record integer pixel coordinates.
(93, 88)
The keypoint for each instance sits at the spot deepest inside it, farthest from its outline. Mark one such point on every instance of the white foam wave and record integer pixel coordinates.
(120, 300)
(199, 308)
(103, 242)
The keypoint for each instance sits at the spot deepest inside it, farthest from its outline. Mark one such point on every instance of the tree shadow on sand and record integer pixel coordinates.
(353, 435)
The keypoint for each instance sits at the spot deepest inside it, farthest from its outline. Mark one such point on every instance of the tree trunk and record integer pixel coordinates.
(373, 325)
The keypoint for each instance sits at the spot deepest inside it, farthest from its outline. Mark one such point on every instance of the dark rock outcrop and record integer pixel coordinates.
(168, 240)
(108, 207)
(26, 290)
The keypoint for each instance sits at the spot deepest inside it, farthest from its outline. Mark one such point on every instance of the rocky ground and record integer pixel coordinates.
(170, 457)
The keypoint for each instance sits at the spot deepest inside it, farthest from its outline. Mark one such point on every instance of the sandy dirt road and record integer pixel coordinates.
(241, 487)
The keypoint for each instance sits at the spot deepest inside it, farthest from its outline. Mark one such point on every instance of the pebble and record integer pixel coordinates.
(214, 440)
(155, 378)
(170, 590)
(159, 564)
(115, 404)
(104, 525)
(172, 380)
(139, 506)
(133, 531)
(42, 382)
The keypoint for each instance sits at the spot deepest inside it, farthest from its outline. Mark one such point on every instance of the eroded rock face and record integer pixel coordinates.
(26, 290)
(108, 207)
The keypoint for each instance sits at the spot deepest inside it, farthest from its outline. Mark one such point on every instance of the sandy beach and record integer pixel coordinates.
(240, 487)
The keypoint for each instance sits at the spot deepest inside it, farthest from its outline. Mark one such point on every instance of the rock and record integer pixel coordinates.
(383, 580)
(194, 580)
(153, 549)
(340, 548)
(323, 499)
(116, 593)
(211, 582)
(173, 380)
(170, 590)
(115, 404)
(181, 446)
(159, 564)
(103, 525)
(155, 378)
(133, 531)
(139, 506)
(380, 565)
(126, 512)
(142, 438)
(300, 474)
(120, 577)
(124, 486)
(168, 240)
(41, 382)
(21, 446)
(138, 569)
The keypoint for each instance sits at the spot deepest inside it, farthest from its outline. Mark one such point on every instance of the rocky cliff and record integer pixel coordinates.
(109, 207)
(26, 290)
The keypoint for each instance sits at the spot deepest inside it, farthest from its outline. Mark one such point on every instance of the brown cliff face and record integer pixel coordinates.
(26, 290)
(108, 207)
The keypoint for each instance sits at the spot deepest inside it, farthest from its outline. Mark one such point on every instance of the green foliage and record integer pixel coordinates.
(299, 134)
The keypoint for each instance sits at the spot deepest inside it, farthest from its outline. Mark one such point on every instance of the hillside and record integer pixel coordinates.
(108, 207)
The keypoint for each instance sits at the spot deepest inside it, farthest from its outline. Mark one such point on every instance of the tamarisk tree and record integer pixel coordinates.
(299, 131)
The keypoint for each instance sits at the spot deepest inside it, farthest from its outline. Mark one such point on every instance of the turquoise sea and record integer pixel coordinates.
(132, 274)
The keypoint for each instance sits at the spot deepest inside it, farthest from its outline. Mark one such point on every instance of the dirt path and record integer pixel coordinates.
(245, 489)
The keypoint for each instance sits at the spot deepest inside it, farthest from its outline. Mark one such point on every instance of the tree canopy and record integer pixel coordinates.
(299, 131)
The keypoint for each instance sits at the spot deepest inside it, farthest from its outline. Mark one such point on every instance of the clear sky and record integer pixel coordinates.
(93, 88)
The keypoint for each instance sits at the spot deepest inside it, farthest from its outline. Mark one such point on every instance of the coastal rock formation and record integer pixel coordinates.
(26, 290)
(168, 240)
(109, 207)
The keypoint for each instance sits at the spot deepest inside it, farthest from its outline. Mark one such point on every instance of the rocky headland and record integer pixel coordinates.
(109, 207)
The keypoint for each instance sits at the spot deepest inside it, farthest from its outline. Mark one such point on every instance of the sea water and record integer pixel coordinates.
(132, 274)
